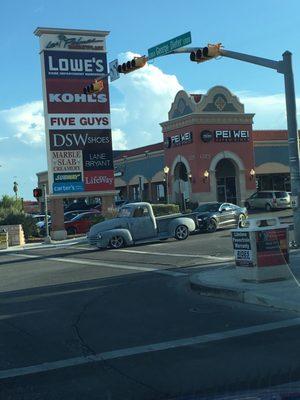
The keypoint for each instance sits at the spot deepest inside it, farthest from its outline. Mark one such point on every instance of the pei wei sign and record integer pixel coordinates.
(231, 136)
(78, 129)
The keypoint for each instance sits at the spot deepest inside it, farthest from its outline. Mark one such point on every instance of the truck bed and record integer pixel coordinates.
(163, 221)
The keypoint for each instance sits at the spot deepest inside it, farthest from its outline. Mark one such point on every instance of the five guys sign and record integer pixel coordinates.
(78, 131)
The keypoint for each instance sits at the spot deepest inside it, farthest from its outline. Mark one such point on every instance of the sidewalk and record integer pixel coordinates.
(42, 245)
(224, 283)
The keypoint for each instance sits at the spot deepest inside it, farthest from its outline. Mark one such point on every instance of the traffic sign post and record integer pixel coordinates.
(170, 45)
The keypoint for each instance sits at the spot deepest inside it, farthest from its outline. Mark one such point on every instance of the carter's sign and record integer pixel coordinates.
(232, 136)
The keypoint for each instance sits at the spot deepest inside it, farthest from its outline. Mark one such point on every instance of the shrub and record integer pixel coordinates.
(165, 209)
(11, 213)
(27, 222)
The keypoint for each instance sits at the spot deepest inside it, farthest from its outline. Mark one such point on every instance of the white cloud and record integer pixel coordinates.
(25, 122)
(119, 139)
(270, 110)
(3, 138)
(147, 97)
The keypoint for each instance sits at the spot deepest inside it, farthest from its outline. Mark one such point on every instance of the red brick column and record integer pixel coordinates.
(58, 231)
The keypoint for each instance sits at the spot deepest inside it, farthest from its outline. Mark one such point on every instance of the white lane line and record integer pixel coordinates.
(87, 262)
(137, 350)
(154, 253)
(106, 265)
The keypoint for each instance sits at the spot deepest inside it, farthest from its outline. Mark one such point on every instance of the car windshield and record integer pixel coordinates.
(210, 207)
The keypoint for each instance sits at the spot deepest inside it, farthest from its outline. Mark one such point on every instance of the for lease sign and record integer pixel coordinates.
(78, 128)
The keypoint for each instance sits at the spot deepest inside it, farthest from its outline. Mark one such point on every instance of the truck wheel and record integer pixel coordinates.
(181, 232)
(116, 242)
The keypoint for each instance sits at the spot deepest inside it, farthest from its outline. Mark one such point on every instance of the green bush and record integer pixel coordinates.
(165, 209)
(11, 213)
(27, 222)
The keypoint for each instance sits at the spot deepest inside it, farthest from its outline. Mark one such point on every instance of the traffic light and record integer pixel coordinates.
(206, 53)
(129, 66)
(94, 87)
(37, 193)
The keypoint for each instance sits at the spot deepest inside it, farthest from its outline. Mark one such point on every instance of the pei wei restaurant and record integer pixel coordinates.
(209, 152)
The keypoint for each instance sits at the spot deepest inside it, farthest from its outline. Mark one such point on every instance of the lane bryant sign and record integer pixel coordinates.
(78, 129)
(225, 136)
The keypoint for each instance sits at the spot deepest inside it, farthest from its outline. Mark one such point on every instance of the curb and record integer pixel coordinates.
(42, 245)
(216, 291)
(240, 295)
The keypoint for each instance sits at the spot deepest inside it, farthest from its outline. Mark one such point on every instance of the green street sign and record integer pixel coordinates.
(167, 47)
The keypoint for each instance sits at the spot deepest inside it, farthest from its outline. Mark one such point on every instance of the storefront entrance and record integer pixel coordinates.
(226, 181)
(181, 184)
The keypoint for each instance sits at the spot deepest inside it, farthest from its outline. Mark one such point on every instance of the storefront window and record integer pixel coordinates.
(274, 182)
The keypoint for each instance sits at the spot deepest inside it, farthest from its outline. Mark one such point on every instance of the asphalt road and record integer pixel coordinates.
(82, 324)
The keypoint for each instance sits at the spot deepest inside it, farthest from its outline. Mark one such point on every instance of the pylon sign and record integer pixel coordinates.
(78, 131)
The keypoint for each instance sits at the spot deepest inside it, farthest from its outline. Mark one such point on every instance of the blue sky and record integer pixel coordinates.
(139, 101)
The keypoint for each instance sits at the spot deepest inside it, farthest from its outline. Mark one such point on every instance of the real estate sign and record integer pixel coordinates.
(78, 130)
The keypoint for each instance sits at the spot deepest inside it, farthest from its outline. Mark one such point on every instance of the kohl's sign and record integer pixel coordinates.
(178, 140)
(231, 136)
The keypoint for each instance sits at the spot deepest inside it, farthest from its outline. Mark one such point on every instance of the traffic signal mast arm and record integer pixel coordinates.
(264, 62)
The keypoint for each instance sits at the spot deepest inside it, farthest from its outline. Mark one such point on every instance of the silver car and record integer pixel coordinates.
(269, 200)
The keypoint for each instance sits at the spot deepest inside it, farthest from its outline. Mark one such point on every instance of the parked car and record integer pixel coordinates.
(269, 200)
(39, 217)
(68, 216)
(82, 205)
(135, 224)
(81, 223)
(212, 216)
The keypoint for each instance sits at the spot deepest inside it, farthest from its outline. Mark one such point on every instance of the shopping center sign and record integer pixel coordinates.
(78, 134)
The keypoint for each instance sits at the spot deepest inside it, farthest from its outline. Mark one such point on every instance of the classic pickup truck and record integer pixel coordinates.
(135, 224)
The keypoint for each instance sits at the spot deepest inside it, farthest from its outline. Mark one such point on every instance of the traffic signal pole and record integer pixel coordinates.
(284, 67)
(47, 238)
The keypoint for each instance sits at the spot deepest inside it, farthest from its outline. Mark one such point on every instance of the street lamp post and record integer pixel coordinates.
(166, 171)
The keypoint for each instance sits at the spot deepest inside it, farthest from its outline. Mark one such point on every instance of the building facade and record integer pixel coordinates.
(209, 152)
